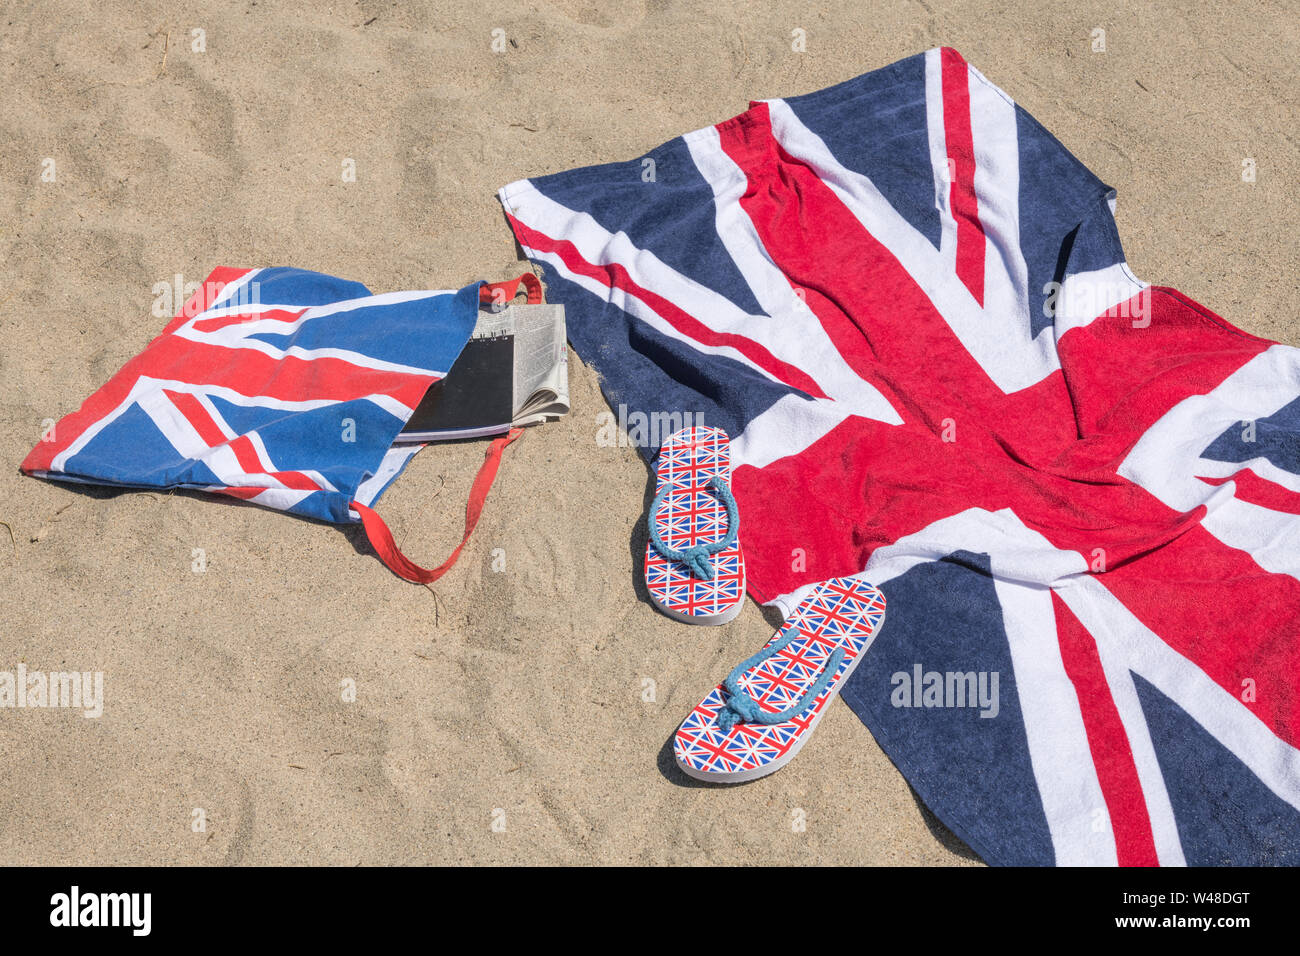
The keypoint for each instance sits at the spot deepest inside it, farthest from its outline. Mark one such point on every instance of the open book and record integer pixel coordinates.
(514, 370)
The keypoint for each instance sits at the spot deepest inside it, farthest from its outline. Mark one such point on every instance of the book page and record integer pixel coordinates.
(541, 360)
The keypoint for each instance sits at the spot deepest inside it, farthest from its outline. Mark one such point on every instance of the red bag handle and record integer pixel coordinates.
(508, 289)
(381, 539)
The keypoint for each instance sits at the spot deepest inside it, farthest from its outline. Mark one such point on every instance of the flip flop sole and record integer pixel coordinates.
(841, 613)
(690, 515)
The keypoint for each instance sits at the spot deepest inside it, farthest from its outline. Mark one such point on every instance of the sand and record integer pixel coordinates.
(499, 716)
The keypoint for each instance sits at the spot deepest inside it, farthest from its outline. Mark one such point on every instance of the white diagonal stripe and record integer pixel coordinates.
(1167, 458)
(999, 343)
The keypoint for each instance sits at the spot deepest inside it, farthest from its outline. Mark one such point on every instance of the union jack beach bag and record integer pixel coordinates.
(282, 387)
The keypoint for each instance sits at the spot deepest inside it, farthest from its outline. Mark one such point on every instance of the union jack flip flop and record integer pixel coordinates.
(755, 721)
(694, 570)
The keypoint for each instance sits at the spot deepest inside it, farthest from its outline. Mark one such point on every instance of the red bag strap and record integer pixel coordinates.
(381, 539)
(508, 289)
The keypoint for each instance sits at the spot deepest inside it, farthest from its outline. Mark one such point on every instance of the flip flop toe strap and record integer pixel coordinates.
(697, 556)
(739, 707)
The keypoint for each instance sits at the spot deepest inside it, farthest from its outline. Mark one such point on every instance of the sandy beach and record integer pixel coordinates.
(516, 716)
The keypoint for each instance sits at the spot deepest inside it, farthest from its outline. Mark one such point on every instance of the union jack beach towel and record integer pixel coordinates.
(908, 304)
(279, 386)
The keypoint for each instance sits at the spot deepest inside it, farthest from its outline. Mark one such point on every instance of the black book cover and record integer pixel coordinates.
(478, 391)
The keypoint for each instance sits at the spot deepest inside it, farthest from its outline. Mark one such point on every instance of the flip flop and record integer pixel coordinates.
(755, 721)
(694, 570)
